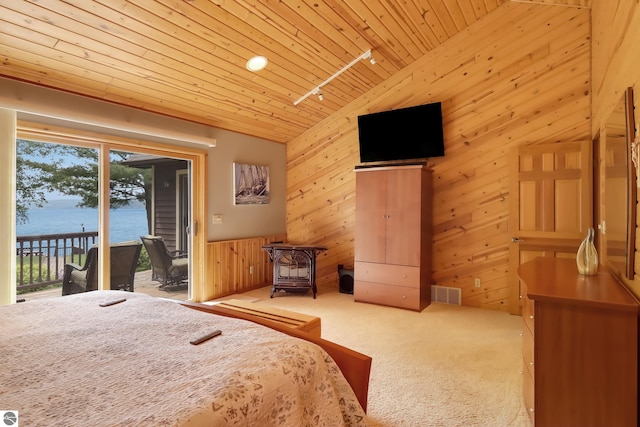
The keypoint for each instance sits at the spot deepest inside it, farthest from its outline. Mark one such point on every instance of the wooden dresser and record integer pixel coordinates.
(580, 346)
(393, 236)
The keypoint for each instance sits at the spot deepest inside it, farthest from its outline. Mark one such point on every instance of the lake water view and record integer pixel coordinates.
(62, 216)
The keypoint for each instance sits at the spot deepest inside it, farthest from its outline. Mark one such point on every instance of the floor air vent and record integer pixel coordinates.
(446, 295)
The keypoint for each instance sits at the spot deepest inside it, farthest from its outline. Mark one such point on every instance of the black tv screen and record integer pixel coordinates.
(402, 134)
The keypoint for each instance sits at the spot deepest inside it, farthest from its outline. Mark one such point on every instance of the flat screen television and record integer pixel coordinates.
(404, 134)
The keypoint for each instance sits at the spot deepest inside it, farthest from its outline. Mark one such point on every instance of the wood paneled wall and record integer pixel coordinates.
(229, 266)
(616, 66)
(520, 75)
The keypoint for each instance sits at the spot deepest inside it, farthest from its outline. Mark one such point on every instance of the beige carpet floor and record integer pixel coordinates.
(445, 366)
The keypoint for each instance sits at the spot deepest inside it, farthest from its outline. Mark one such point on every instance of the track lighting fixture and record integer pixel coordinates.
(316, 90)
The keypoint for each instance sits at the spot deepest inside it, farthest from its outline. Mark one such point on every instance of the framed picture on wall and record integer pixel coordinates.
(251, 184)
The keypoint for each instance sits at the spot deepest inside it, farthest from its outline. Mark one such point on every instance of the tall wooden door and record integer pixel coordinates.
(551, 204)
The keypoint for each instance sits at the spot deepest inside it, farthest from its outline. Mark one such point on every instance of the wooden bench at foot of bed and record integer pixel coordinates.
(299, 321)
(356, 367)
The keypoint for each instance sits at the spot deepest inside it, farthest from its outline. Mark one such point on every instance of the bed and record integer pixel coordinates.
(70, 361)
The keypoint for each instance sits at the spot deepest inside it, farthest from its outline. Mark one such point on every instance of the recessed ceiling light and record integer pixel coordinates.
(257, 63)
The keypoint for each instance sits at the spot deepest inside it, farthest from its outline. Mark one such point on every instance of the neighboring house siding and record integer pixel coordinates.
(165, 202)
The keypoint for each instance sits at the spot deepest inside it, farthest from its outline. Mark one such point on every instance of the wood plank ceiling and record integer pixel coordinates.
(186, 58)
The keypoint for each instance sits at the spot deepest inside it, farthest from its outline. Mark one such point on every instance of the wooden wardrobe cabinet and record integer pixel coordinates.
(393, 236)
(580, 346)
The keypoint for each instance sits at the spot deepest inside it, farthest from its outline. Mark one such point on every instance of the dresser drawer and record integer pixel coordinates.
(390, 274)
(380, 293)
(528, 313)
(527, 351)
(528, 393)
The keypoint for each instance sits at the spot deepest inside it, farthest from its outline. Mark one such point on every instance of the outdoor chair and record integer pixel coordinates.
(124, 260)
(170, 268)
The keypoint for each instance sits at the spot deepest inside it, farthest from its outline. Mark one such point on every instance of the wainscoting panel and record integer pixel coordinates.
(238, 265)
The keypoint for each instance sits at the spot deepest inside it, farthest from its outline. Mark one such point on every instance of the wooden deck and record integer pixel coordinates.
(142, 284)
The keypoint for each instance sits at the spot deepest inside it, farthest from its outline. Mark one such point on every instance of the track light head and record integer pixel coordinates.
(318, 92)
(372, 60)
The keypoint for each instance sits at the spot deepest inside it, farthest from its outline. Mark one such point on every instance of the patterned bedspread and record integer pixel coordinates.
(70, 362)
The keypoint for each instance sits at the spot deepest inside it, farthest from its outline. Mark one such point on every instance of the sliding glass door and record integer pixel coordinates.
(166, 199)
(64, 211)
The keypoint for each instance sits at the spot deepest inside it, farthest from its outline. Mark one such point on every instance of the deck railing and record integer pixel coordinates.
(40, 259)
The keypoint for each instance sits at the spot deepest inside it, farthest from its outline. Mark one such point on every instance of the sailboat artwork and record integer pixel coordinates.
(251, 184)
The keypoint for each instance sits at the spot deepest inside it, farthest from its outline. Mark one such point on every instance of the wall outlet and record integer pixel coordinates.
(251, 269)
(217, 218)
(476, 282)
